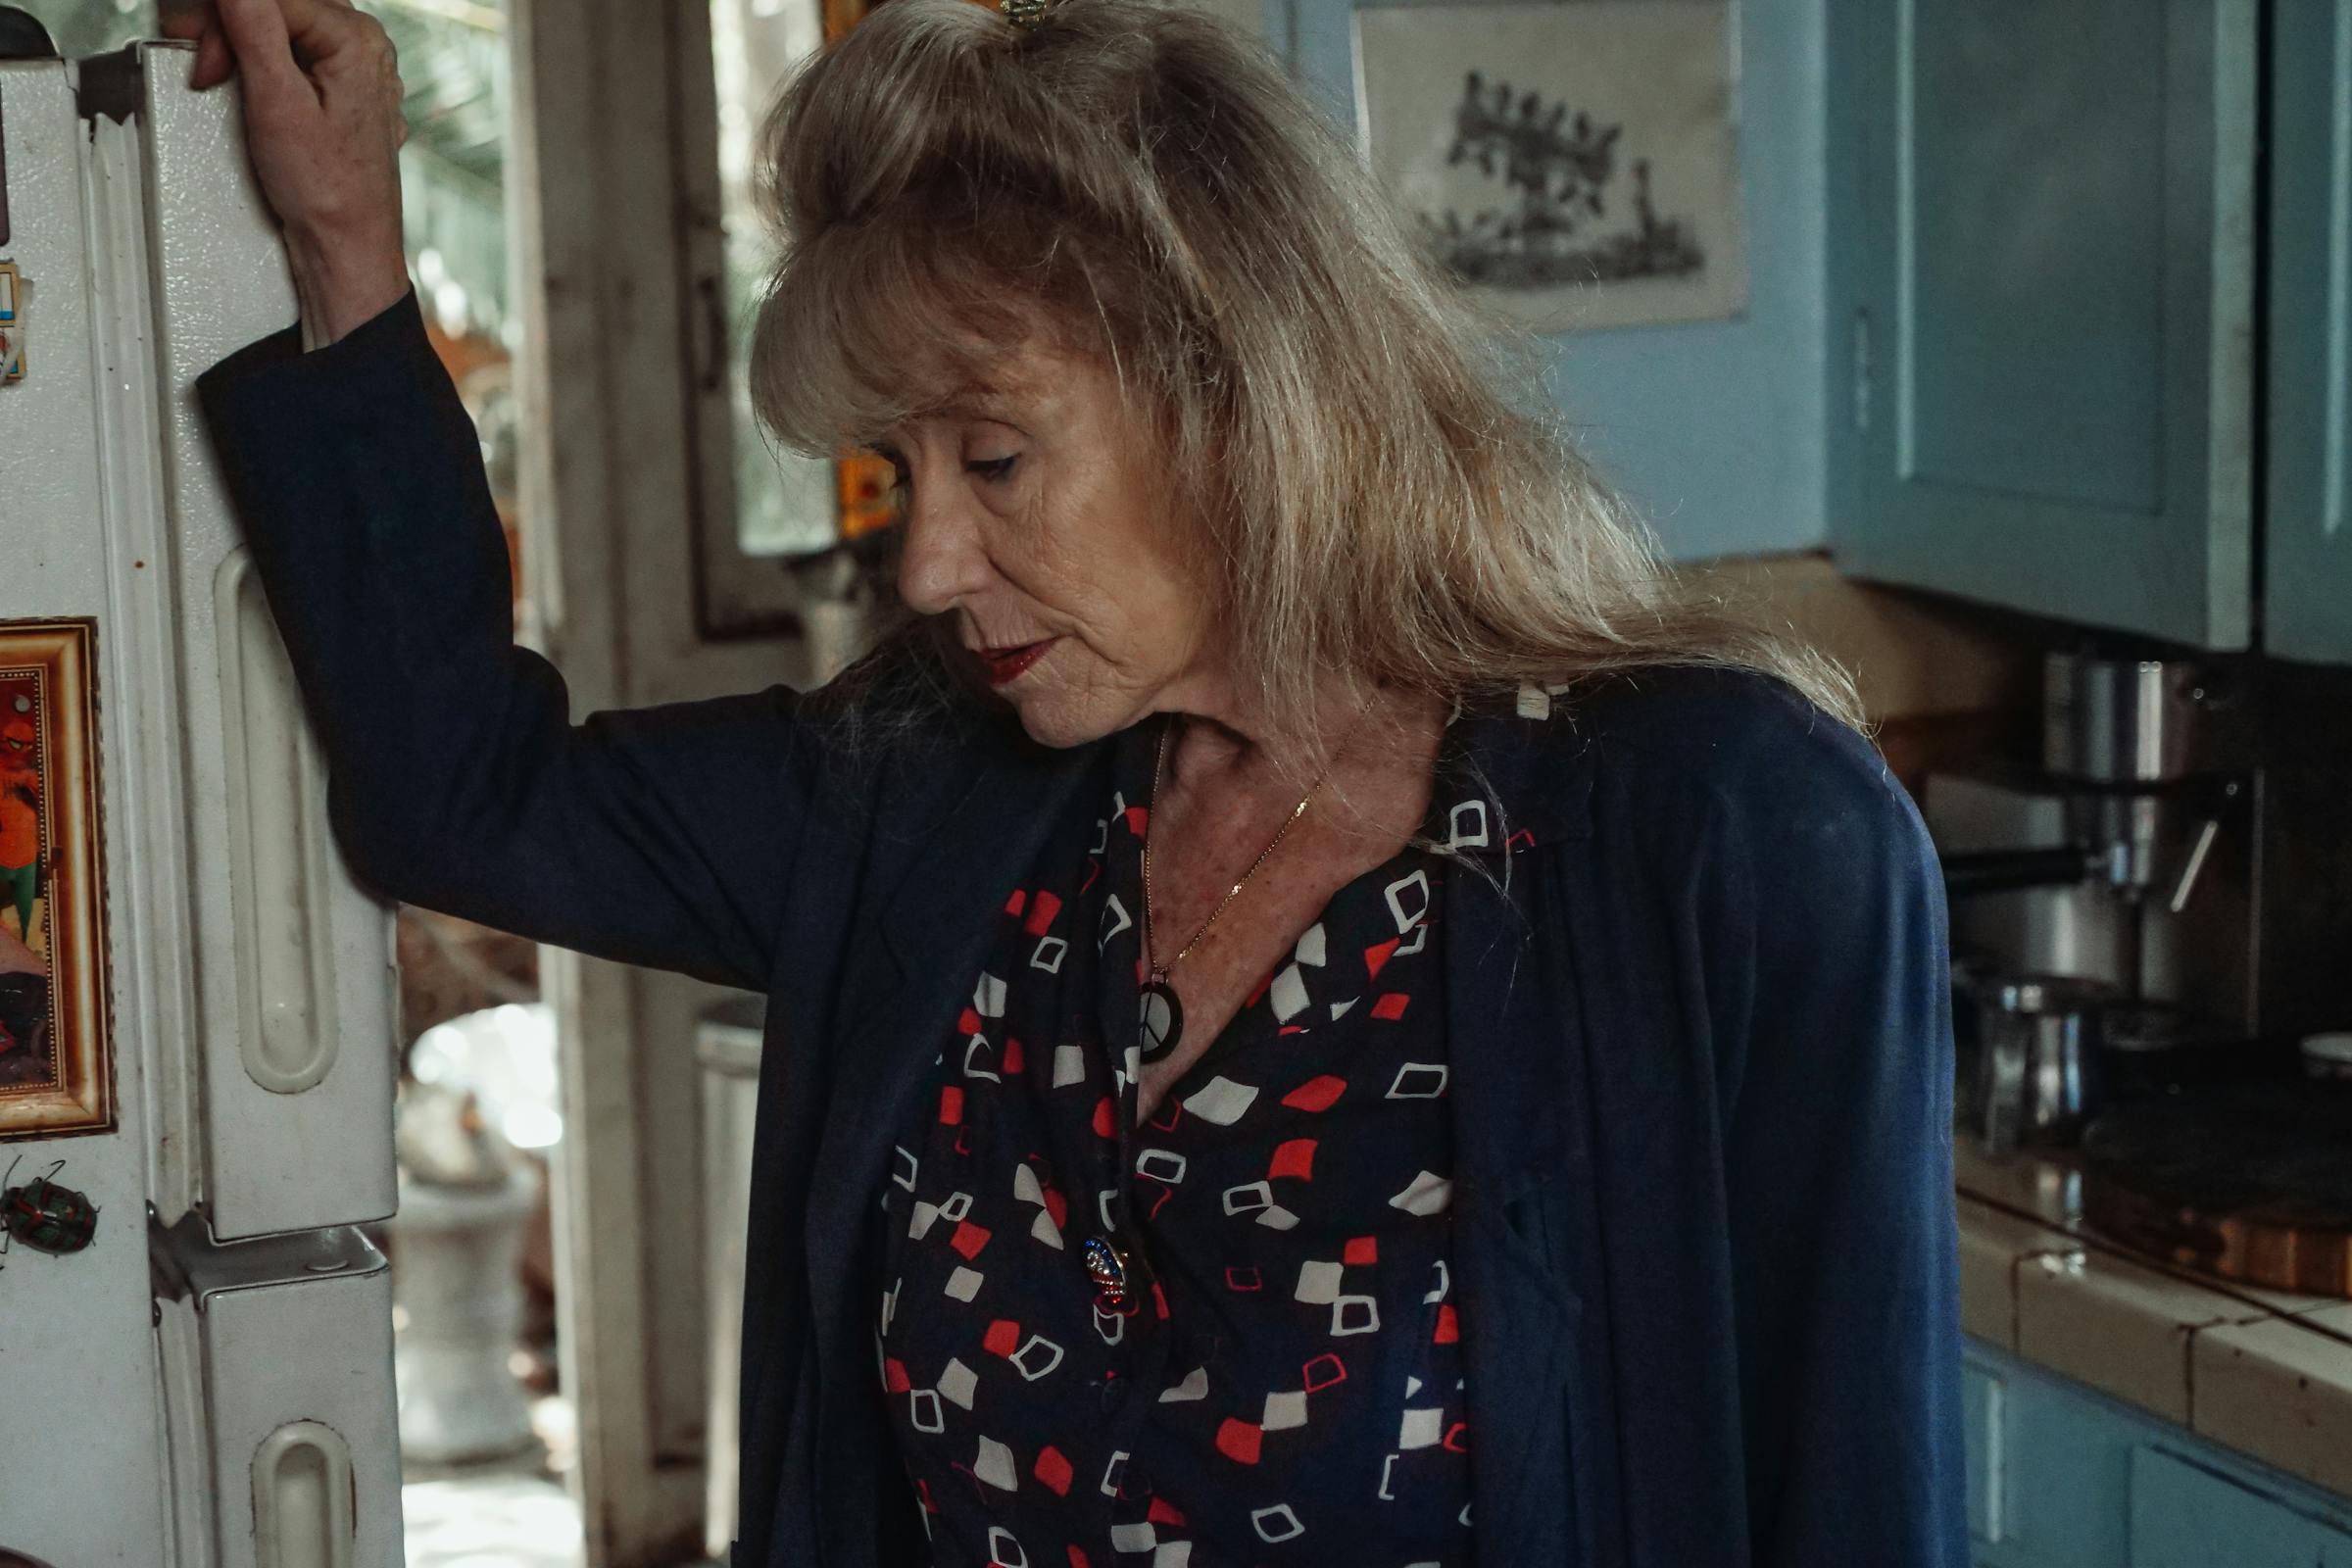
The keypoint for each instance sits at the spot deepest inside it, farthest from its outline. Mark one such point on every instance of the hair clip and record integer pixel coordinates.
(1025, 15)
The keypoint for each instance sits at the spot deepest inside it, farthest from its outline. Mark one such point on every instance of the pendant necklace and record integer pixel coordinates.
(1162, 1012)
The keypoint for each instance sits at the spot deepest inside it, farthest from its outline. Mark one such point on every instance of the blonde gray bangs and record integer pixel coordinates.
(867, 326)
(1378, 484)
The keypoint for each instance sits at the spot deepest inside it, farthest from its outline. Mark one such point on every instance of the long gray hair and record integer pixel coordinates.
(1370, 470)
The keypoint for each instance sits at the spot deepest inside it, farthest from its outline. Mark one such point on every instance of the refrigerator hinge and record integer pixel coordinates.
(111, 84)
(185, 1261)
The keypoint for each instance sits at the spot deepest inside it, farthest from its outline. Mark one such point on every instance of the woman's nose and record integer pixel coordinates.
(939, 559)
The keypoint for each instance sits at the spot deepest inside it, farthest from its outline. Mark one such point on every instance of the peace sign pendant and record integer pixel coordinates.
(1162, 1019)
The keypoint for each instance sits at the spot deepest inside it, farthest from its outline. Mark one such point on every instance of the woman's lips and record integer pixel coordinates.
(1006, 664)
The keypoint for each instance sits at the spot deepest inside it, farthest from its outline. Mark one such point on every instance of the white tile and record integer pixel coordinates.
(2109, 1322)
(1990, 1243)
(2281, 1391)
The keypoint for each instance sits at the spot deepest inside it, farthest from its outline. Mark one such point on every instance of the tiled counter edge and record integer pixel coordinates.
(2263, 1373)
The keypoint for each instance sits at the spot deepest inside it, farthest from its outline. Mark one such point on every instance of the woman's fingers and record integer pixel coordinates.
(196, 21)
(323, 122)
(258, 39)
(258, 34)
(185, 19)
(214, 60)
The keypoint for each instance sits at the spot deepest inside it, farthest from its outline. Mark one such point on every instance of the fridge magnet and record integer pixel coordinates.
(44, 1216)
(1573, 164)
(12, 323)
(56, 1053)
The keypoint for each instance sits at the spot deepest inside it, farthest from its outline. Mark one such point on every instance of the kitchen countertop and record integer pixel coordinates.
(2264, 1372)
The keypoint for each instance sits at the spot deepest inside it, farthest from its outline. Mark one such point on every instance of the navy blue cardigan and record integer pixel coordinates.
(1700, 1039)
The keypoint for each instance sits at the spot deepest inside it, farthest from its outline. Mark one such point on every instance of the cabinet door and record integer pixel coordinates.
(2041, 267)
(2308, 597)
(2186, 1516)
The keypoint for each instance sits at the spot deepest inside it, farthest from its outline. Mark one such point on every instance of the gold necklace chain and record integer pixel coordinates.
(1160, 972)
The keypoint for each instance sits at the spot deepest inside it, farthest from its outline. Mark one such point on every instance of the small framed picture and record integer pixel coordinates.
(57, 1067)
(1573, 166)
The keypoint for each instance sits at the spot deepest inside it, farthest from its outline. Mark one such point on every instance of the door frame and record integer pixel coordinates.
(608, 206)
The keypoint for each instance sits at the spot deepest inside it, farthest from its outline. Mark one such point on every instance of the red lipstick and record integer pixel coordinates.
(1006, 664)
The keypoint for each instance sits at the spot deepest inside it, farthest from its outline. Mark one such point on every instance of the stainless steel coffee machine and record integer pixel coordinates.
(2104, 899)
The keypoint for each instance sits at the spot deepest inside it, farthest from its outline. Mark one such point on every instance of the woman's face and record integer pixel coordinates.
(1034, 518)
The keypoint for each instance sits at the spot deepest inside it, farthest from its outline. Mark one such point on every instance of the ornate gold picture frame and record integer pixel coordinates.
(57, 1067)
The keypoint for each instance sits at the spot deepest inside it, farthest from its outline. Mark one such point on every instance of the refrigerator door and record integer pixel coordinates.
(79, 1382)
(189, 1398)
(294, 1006)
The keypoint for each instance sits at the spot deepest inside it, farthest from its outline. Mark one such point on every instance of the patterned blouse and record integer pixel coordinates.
(1285, 1384)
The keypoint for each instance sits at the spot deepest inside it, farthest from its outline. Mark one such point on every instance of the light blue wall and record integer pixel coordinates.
(1714, 428)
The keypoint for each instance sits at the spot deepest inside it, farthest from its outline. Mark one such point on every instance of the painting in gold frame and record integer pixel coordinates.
(57, 1068)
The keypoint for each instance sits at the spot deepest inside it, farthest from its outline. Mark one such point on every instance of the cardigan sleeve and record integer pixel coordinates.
(1834, 1031)
(660, 836)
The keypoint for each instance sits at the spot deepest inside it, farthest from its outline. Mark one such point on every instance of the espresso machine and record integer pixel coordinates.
(2152, 952)
(2101, 899)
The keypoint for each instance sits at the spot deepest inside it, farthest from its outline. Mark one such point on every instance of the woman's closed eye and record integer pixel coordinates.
(992, 467)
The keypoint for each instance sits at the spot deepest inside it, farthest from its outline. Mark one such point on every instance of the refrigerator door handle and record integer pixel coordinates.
(302, 1498)
(281, 854)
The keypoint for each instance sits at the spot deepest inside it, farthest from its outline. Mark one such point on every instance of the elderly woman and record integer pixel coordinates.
(1320, 1014)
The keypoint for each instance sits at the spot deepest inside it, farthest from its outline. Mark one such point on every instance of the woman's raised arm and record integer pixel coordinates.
(661, 836)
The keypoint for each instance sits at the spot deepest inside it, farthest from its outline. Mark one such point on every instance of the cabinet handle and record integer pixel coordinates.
(303, 1504)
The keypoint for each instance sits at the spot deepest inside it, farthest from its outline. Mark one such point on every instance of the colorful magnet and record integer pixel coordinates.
(12, 323)
(47, 1217)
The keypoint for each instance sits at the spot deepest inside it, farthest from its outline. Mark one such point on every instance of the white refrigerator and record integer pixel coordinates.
(197, 1004)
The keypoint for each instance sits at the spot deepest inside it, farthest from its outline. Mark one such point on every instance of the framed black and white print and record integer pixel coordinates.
(1575, 164)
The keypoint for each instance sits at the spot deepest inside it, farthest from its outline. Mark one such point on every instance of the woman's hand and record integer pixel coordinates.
(323, 125)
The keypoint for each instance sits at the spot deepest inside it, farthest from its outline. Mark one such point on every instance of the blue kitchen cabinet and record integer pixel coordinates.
(2040, 296)
(2061, 1476)
(2307, 598)
(2186, 1516)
